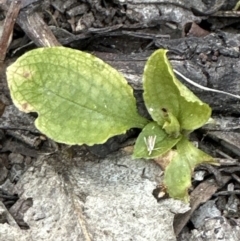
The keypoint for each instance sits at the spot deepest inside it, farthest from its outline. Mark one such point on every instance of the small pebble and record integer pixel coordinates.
(15, 158)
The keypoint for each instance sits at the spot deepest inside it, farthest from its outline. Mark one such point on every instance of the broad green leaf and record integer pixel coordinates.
(177, 176)
(79, 98)
(163, 93)
(153, 141)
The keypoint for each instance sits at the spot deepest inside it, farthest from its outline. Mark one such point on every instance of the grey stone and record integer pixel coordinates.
(83, 199)
(206, 211)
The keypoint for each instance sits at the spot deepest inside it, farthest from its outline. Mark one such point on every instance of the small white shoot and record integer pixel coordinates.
(150, 143)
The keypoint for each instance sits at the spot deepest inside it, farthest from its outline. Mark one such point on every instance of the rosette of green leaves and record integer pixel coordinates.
(81, 99)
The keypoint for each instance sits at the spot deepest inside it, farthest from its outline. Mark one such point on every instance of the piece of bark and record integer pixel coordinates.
(18, 147)
(14, 119)
(221, 71)
(27, 137)
(8, 27)
(33, 24)
(228, 139)
(36, 29)
(209, 11)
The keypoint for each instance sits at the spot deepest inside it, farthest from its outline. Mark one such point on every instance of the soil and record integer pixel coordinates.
(203, 40)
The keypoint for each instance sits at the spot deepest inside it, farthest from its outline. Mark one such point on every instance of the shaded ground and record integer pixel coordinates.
(55, 192)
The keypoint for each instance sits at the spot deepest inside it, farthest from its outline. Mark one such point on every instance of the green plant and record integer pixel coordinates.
(80, 99)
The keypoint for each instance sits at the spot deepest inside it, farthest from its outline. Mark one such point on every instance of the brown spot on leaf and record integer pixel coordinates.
(27, 74)
(26, 107)
(164, 160)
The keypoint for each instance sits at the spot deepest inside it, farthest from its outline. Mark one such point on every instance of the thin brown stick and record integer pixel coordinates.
(36, 29)
(8, 27)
